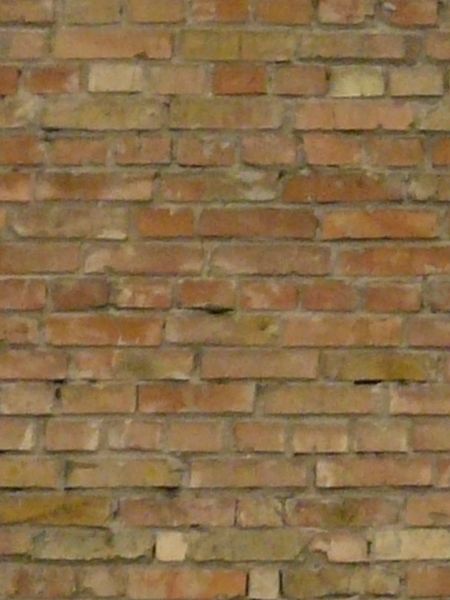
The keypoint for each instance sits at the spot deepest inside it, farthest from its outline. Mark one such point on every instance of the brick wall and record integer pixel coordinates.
(224, 297)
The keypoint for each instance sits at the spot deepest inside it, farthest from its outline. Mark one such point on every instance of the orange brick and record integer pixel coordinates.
(54, 80)
(393, 297)
(209, 294)
(328, 295)
(9, 77)
(396, 153)
(239, 79)
(69, 435)
(284, 12)
(329, 149)
(268, 295)
(412, 13)
(165, 223)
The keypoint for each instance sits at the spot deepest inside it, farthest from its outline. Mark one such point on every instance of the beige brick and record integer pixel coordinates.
(115, 78)
(355, 81)
(264, 583)
(171, 546)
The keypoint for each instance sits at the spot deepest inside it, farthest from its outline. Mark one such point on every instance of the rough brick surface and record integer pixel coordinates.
(224, 299)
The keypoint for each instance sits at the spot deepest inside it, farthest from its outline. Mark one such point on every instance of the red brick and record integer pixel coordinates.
(143, 150)
(264, 436)
(329, 149)
(142, 293)
(328, 295)
(342, 11)
(9, 77)
(94, 186)
(135, 435)
(21, 150)
(257, 223)
(380, 224)
(68, 435)
(54, 80)
(86, 43)
(22, 294)
(165, 223)
(16, 187)
(393, 297)
(268, 295)
(206, 151)
(423, 331)
(396, 152)
(239, 79)
(36, 364)
(67, 151)
(269, 149)
(222, 11)
(103, 330)
(78, 294)
(412, 13)
(431, 581)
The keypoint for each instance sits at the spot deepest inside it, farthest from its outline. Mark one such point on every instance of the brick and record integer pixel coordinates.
(140, 259)
(165, 223)
(54, 80)
(29, 473)
(22, 294)
(429, 510)
(438, 295)
(264, 583)
(67, 151)
(75, 222)
(380, 224)
(441, 152)
(430, 436)
(196, 398)
(420, 399)
(269, 149)
(385, 297)
(113, 473)
(141, 293)
(341, 331)
(9, 77)
(341, 512)
(416, 81)
(300, 80)
(304, 582)
(16, 434)
(178, 512)
(221, 11)
(259, 512)
(408, 544)
(268, 295)
(195, 436)
(109, 112)
(102, 580)
(29, 580)
(146, 583)
(406, 152)
(21, 150)
(343, 44)
(132, 363)
(316, 399)
(115, 78)
(386, 365)
(86, 43)
(82, 398)
(225, 113)
(247, 473)
(424, 332)
(245, 545)
(373, 472)
(95, 186)
(209, 45)
(69, 435)
(435, 118)
(284, 12)
(359, 187)
(26, 11)
(328, 295)
(331, 149)
(341, 547)
(257, 223)
(342, 12)
(259, 364)
(279, 259)
(54, 509)
(170, 546)
(79, 294)
(156, 11)
(381, 436)
(178, 79)
(349, 115)
(15, 542)
(431, 581)
(134, 435)
(351, 82)
(205, 151)
(438, 45)
(79, 12)
(394, 261)
(314, 437)
(275, 47)
(142, 150)
(264, 436)
(16, 187)
(208, 294)
(412, 13)
(235, 79)
(26, 398)
(23, 45)
(36, 364)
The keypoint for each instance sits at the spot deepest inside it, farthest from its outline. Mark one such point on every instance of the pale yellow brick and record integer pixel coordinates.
(264, 583)
(355, 81)
(171, 546)
(115, 78)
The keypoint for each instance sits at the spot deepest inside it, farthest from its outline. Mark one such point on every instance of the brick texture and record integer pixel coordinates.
(224, 299)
